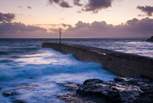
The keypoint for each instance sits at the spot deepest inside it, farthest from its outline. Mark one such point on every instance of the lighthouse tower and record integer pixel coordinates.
(60, 35)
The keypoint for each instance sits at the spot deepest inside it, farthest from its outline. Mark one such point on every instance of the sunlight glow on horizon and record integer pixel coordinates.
(39, 18)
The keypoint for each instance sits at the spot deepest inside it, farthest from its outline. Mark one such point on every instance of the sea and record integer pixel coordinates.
(34, 73)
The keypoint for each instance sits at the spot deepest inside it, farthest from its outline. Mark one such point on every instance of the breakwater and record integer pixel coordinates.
(122, 64)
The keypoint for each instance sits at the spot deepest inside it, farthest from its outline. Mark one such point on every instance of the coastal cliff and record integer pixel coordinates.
(122, 64)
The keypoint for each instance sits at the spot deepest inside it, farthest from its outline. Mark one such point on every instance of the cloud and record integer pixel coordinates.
(63, 25)
(77, 2)
(66, 25)
(146, 9)
(65, 4)
(6, 17)
(54, 1)
(29, 7)
(88, 5)
(17, 28)
(9, 29)
(96, 5)
(61, 3)
(132, 28)
(12, 29)
(20, 30)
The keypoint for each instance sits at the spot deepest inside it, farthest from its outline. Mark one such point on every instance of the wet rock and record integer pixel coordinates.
(70, 85)
(120, 90)
(132, 81)
(147, 95)
(99, 89)
(92, 81)
(70, 98)
(74, 98)
(119, 79)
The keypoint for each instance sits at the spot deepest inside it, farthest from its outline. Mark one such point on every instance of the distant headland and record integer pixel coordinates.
(150, 39)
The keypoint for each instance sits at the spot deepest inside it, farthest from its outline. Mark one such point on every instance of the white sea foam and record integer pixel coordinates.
(34, 74)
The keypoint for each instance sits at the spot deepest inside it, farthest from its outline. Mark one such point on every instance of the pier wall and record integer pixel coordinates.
(122, 64)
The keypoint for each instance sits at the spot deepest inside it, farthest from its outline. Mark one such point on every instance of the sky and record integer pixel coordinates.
(77, 18)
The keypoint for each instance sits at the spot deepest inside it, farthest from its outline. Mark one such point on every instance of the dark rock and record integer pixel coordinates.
(111, 92)
(119, 79)
(92, 81)
(70, 85)
(150, 39)
(71, 98)
(147, 95)
(132, 81)
(120, 90)
(74, 98)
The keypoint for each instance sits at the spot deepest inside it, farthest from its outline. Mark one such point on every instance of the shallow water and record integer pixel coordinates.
(34, 72)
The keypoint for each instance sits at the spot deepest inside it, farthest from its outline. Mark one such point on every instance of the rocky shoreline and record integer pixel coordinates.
(120, 90)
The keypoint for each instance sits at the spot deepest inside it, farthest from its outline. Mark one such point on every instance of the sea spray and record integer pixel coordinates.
(34, 75)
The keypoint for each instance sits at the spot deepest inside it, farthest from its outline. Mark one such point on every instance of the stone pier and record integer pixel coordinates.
(122, 64)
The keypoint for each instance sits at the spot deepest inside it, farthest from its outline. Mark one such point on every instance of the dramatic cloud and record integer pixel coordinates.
(77, 2)
(11, 29)
(88, 5)
(19, 28)
(64, 4)
(61, 3)
(146, 9)
(132, 28)
(95, 5)
(6, 17)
